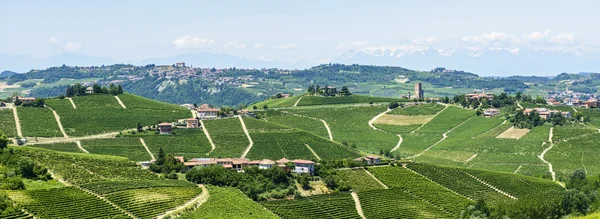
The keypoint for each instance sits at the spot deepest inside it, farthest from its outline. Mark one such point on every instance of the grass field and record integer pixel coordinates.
(514, 133)
(417, 110)
(38, 122)
(401, 120)
(7, 123)
(102, 113)
(228, 137)
(319, 100)
(351, 124)
(190, 143)
(130, 148)
(238, 206)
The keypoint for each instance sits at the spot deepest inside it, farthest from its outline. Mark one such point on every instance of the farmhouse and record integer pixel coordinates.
(591, 103)
(165, 128)
(89, 90)
(546, 114)
(371, 160)
(491, 112)
(24, 99)
(189, 106)
(473, 96)
(191, 123)
(207, 113)
(238, 164)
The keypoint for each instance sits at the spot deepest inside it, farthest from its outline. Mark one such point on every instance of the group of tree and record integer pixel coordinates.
(328, 91)
(579, 198)
(167, 165)
(497, 101)
(521, 120)
(80, 90)
(258, 184)
(16, 168)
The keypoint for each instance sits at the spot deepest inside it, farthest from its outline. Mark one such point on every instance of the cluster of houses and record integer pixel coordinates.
(543, 112)
(238, 164)
(478, 96)
(24, 99)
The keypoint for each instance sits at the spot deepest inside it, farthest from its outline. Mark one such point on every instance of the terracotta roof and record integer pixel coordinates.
(283, 160)
(165, 124)
(227, 166)
(191, 119)
(240, 160)
(254, 162)
(302, 162)
(208, 110)
(180, 158)
(266, 162)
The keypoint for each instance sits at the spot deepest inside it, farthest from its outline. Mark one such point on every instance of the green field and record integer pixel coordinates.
(38, 122)
(102, 113)
(446, 120)
(238, 206)
(319, 100)
(307, 124)
(338, 205)
(190, 143)
(65, 147)
(379, 204)
(277, 103)
(130, 148)
(150, 202)
(351, 124)
(359, 180)
(576, 153)
(228, 136)
(7, 123)
(421, 109)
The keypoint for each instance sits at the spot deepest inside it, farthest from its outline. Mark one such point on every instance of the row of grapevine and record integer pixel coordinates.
(7, 123)
(190, 143)
(64, 147)
(340, 205)
(561, 133)
(310, 125)
(38, 122)
(66, 202)
(318, 100)
(517, 185)
(107, 187)
(459, 182)
(401, 178)
(446, 120)
(124, 147)
(228, 136)
(416, 110)
(148, 203)
(397, 203)
(359, 180)
(228, 203)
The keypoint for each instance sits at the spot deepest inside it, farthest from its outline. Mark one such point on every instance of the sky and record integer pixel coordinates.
(311, 31)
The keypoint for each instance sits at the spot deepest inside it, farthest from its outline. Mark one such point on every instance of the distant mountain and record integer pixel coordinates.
(24, 63)
(221, 60)
(6, 74)
(483, 62)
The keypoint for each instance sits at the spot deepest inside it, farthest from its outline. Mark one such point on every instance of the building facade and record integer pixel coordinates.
(419, 91)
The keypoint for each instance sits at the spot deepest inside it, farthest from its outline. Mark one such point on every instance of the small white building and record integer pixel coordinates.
(304, 166)
(266, 164)
(208, 113)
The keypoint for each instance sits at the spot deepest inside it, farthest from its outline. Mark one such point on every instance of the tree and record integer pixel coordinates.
(139, 127)
(161, 156)
(265, 107)
(97, 89)
(254, 107)
(311, 89)
(3, 140)
(304, 181)
(119, 89)
(393, 105)
(345, 91)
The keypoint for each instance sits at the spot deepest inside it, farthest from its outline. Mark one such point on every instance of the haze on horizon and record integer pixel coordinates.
(487, 38)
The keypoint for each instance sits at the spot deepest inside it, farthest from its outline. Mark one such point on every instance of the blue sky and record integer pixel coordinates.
(317, 31)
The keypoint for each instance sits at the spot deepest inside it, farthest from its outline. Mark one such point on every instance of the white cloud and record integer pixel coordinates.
(258, 46)
(425, 41)
(563, 38)
(72, 46)
(53, 40)
(286, 46)
(235, 44)
(192, 42)
(494, 38)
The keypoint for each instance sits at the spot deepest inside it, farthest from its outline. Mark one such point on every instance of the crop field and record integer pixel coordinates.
(256, 125)
(339, 205)
(475, 126)
(310, 125)
(401, 120)
(38, 122)
(513, 133)
(516, 185)
(228, 136)
(359, 180)
(562, 133)
(397, 203)
(277, 145)
(277, 103)
(102, 113)
(64, 147)
(417, 110)
(593, 114)
(401, 178)
(446, 120)
(397, 129)
(65, 202)
(576, 153)
(107, 187)
(459, 182)
(7, 123)
(130, 148)
(236, 203)
(318, 100)
(190, 143)
(415, 143)
(86, 168)
(150, 202)
(351, 124)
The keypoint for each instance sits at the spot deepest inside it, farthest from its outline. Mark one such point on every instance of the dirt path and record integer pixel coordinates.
(375, 178)
(444, 136)
(491, 186)
(17, 122)
(328, 130)
(519, 104)
(193, 203)
(120, 102)
(247, 135)
(431, 118)
(358, 206)
(60, 126)
(377, 117)
(541, 156)
(517, 170)
(72, 103)
(73, 139)
(574, 109)
(471, 158)
(81, 147)
(400, 139)
(313, 152)
(147, 149)
(298, 101)
(212, 144)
